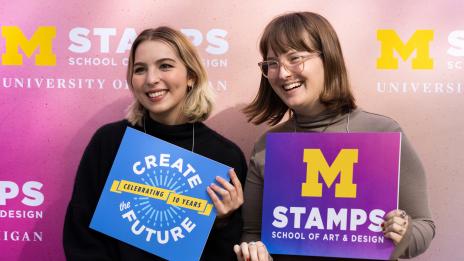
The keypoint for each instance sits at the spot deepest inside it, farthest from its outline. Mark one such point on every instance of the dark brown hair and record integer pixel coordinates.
(302, 31)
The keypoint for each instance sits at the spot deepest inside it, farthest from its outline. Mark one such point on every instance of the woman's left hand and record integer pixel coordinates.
(252, 251)
(227, 198)
(395, 225)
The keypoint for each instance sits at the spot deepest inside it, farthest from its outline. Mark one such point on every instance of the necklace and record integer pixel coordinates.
(193, 132)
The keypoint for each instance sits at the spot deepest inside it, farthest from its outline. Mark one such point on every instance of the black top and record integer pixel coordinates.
(82, 243)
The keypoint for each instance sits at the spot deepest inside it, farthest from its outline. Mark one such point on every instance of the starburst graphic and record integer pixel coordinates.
(165, 215)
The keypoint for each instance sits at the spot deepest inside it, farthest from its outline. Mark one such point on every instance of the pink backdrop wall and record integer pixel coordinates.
(45, 124)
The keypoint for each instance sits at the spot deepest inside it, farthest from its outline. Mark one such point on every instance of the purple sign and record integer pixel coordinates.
(325, 194)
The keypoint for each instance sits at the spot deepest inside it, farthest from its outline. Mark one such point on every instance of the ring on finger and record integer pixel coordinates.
(402, 214)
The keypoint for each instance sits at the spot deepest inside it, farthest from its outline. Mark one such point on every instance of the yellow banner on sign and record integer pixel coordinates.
(171, 198)
(183, 201)
(140, 189)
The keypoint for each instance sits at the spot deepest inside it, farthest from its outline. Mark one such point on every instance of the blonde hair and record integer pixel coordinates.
(199, 101)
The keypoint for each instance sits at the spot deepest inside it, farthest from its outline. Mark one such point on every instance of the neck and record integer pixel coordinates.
(169, 119)
(311, 112)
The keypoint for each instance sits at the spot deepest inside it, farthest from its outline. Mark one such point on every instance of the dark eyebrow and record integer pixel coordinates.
(292, 52)
(139, 64)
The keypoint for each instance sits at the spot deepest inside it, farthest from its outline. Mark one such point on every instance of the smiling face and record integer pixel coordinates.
(299, 90)
(159, 81)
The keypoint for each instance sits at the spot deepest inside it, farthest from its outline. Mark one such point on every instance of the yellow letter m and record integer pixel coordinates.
(419, 41)
(343, 165)
(42, 39)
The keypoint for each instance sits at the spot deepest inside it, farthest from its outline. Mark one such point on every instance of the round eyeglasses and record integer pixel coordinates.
(292, 63)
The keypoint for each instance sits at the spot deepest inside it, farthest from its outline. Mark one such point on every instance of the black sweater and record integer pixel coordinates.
(82, 243)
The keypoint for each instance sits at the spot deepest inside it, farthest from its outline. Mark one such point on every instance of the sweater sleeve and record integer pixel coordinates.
(231, 231)
(413, 199)
(253, 205)
(226, 232)
(79, 241)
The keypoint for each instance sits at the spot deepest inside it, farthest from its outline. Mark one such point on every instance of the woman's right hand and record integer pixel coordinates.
(252, 251)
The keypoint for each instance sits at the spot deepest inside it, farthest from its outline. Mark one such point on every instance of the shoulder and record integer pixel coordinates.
(112, 128)
(217, 147)
(214, 140)
(109, 134)
(367, 121)
(286, 126)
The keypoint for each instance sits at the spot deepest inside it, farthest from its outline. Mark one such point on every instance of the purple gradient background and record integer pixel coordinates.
(376, 176)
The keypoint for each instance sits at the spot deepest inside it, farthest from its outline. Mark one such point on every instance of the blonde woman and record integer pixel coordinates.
(171, 99)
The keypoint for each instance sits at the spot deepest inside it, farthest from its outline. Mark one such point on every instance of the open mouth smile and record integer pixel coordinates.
(156, 94)
(291, 86)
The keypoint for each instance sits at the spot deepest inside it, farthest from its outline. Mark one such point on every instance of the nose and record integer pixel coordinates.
(284, 72)
(153, 76)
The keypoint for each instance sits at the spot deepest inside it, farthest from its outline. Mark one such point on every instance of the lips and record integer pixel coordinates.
(158, 94)
(291, 86)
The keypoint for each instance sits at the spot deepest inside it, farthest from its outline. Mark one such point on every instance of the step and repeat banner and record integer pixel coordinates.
(62, 75)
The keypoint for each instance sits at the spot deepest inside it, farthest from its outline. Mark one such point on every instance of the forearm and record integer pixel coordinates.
(422, 233)
(252, 210)
(414, 200)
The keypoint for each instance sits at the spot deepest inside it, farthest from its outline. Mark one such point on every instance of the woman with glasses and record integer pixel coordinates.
(304, 75)
(171, 101)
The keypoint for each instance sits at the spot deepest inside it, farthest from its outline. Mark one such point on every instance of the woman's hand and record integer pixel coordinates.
(252, 251)
(395, 225)
(227, 198)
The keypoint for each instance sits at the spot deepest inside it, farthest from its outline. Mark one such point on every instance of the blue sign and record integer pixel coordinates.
(155, 197)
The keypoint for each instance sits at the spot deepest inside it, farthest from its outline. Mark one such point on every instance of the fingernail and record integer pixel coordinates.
(383, 224)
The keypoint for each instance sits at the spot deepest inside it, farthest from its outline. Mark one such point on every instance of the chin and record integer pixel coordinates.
(294, 104)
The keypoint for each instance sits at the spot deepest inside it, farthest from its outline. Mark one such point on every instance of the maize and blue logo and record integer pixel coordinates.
(419, 43)
(414, 52)
(40, 44)
(343, 165)
(332, 189)
(155, 197)
(93, 47)
(114, 44)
